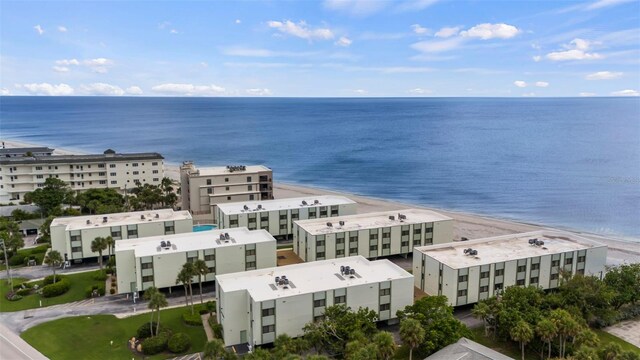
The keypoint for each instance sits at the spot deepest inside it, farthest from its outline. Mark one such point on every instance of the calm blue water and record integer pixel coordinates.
(199, 228)
(565, 162)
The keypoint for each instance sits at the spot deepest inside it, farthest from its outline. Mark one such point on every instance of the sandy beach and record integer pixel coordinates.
(471, 226)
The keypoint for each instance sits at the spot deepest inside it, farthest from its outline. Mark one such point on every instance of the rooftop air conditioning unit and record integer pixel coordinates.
(141, 217)
(157, 216)
(304, 203)
(329, 224)
(341, 223)
(316, 202)
(104, 219)
(392, 218)
(88, 222)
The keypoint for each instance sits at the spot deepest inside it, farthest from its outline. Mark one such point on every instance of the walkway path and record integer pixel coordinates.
(628, 330)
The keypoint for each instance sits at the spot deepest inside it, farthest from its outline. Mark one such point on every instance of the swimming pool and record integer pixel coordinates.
(206, 227)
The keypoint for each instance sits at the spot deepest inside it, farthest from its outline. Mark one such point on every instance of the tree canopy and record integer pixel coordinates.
(51, 197)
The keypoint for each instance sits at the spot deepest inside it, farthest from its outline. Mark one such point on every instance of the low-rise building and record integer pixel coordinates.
(277, 216)
(23, 174)
(203, 188)
(156, 261)
(465, 349)
(469, 271)
(72, 236)
(370, 235)
(255, 307)
(26, 151)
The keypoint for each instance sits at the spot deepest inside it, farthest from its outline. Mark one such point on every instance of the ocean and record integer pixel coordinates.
(566, 162)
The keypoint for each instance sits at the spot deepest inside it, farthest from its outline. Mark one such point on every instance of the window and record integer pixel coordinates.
(208, 181)
(581, 259)
(112, 174)
(38, 167)
(226, 188)
(384, 292)
(101, 166)
(136, 172)
(75, 236)
(520, 282)
(321, 254)
(373, 236)
(102, 182)
(233, 222)
(268, 329)
(155, 171)
(428, 230)
(318, 318)
(209, 190)
(102, 173)
(251, 197)
(268, 312)
(334, 210)
(555, 263)
(385, 307)
(210, 257)
(463, 278)
(295, 215)
(373, 248)
(226, 179)
(462, 292)
(132, 231)
(228, 197)
(484, 275)
(39, 176)
(339, 240)
(319, 303)
(340, 252)
(386, 246)
(416, 242)
(323, 211)
(134, 164)
(146, 266)
(116, 233)
(76, 249)
(155, 163)
(320, 243)
(340, 300)
(522, 268)
(497, 287)
(249, 187)
(533, 280)
(535, 266)
(212, 270)
(499, 272)
(147, 278)
(554, 276)
(251, 265)
(568, 261)
(249, 179)
(312, 213)
(283, 216)
(112, 165)
(404, 233)
(169, 227)
(484, 288)
(250, 252)
(580, 272)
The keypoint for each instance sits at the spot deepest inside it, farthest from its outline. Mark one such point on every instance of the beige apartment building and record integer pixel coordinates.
(20, 175)
(469, 271)
(371, 234)
(277, 216)
(156, 261)
(203, 188)
(72, 236)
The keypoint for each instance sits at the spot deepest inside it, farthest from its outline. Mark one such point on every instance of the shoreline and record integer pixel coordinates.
(469, 225)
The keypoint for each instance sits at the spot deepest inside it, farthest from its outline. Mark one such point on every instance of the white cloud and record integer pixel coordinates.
(343, 41)
(418, 29)
(542, 84)
(103, 89)
(301, 30)
(47, 89)
(412, 5)
(537, 58)
(39, 29)
(438, 46)
(133, 90)
(355, 7)
(67, 62)
(520, 83)
(62, 28)
(586, 94)
(603, 75)
(238, 21)
(60, 69)
(576, 50)
(626, 93)
(5, 92)
(360, 91)
(189, 89)
(258, 92)
(257, 52)
(173, 31)
(446, 32)
(419, 91)
(488, 31)
(98, 65)
(605, 3)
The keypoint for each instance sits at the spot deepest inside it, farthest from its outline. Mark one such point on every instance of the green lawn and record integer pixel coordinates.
(37, 252)
(79, 284)
(606, 338)
(89, 337)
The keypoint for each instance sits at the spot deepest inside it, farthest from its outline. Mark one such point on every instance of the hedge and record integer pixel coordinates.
(100, 276)
(190, 319)
(156, 344)
(100, 288)
(217, 330)
(56, 289)
(49, 279)
(179, 343)
(24, 292)
(144, 331)
(16, 260)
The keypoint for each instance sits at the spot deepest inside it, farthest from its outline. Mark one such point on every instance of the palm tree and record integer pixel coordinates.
(385, 345)
(157, 301)
(547, 330)
(563, 320)
(411, 333)
(213, 350)
(521, 333)
(148, 295)
(481, 310)
(110, 244)
(185, 277)
(586, 353)
(191, 271)
(201, 269)
(98, 245)
(53, 259)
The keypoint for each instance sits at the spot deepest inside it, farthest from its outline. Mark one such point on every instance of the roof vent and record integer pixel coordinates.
(392, 218)
(470, 252)
(341, 222)
(259, 206)
(157, 216)
(141, 217)
(226, 236)
(316, 202)
(221, 236)
(88, 221)
(402, 217)
(168, 243)
(104, 219)
(246, 207)
(536, 242)
(163, 244)
(304, 203)
(329, 224)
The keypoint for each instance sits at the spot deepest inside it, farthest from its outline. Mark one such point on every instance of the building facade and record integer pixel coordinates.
(72, 236)
(24, 151)
(469, 271)
(370, 235)
(156, 261)
(20, 175)
(255, 307)
(277, 216)
(202, 189)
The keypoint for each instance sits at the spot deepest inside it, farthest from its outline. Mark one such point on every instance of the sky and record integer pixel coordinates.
(330, 48)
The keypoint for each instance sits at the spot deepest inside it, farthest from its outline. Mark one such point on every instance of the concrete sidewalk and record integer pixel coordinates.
(628, 331)
(14, 348)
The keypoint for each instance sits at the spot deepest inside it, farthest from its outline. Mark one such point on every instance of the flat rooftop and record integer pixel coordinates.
(283, 204)
(505, 248)
(370, 221)
(200, 240)
(311, 277)
(57, 159)
(119, 219)
(23, 150)
(223, 170)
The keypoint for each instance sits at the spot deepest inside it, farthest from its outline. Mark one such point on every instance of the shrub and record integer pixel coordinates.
(109, 271)
(49, 279)
(217, 330)
(23, 285)
(39, 250)
(16, 260)
(100, 276)
(13, 296)
(56, 289)
(155, 345)
(194, 319)
(179, 343)
(89, 291)
(112, 291)
(24, 292)
(144, 331)
(210, 306)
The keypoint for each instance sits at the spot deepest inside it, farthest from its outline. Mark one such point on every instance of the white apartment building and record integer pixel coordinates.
(469, 271)
(72, 236)
(255, 307)
(202, 189)
(156, 261)
(277, 216)
(22, 151)
(20, 175)
(371, 234)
